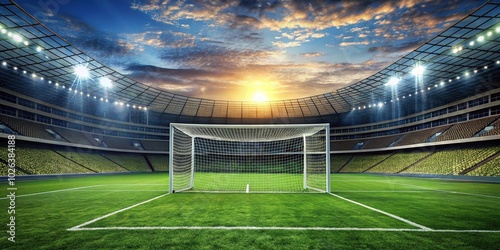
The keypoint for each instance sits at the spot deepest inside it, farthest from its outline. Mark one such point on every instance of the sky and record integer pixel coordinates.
(248, 50)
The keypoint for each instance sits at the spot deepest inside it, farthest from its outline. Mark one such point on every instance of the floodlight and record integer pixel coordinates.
(26, 43)
(480, 38)
(418, 70)
(17, 38)
(4, 63)
(497, 29)
(39, 49)
(471, 43)
(105, 82)
(393, 81)
(489, 33)
(81, 71)
(4, 31)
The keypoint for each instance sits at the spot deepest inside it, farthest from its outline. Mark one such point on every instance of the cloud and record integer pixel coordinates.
(215, 56)
(396, 49)
(312, 55)
(281, 44)
(344, 44)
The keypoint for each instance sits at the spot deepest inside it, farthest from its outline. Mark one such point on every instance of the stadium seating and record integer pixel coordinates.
(131, 162)
(338, 161)
(159, 162)
(398, 162)
(495, 130)
(491, 168)
(453, 161)
(76, 137)
(360, 163)
(465, 129)
(344, 145)
(26, 128)
(420, 136)
(381, 142)
(46, 161)
(93, 161)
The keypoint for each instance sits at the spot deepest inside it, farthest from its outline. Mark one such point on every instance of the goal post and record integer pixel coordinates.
(249, 158)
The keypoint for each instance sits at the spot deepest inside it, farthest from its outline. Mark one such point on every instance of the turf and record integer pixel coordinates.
(53, 206)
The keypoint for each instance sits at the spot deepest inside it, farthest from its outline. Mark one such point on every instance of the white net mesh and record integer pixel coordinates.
(249, 158)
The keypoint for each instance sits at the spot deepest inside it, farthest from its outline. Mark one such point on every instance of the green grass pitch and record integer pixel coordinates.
(365, 212)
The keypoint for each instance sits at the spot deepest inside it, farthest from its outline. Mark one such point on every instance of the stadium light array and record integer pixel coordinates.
(81, 72)
(479, 38)
(419, 70)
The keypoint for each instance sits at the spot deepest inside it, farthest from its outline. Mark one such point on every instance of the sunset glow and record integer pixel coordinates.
(260, 97)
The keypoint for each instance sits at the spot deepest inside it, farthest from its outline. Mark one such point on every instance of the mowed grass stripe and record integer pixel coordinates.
(255, 210)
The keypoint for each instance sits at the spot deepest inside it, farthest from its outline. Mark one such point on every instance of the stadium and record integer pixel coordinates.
(94, 158)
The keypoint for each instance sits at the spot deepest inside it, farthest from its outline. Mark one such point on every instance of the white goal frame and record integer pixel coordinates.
(183, 127)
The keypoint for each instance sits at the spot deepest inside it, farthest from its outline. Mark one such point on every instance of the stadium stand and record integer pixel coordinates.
(398, 162)
(92, 160)
(30, 129)
(159, 162)
(495, 130)
(131, 162)
(46, 161)
(420, 136)
(452, 161)
(344, 145)
(381, 142)
(491, 168)
(338, 161)
(362, 162)
(465, 129)
(76, 137)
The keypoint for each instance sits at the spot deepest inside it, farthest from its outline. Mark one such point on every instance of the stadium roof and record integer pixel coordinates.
(461, 61)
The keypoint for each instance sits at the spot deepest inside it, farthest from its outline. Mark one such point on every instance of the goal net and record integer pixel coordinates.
(249, 158)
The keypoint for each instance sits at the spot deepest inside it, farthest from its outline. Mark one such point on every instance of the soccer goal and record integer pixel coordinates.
(249, 158)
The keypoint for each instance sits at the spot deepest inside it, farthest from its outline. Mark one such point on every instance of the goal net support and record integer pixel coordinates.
(249, 158)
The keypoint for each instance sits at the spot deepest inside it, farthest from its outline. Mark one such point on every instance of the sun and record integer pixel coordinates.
(260, 97)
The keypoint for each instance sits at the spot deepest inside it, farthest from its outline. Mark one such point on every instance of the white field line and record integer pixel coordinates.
(117, 211)
(54, 191)
(382, 191)
(443, 191)
(385, 213)
(285, 228)
(124, 190)
(136, 184)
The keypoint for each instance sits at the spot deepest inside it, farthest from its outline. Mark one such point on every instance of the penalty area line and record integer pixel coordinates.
(113, 213)
(385, 213)
(286, 229)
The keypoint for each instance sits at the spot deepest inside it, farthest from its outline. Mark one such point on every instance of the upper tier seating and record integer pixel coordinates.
(465, 129)
(419, 136)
